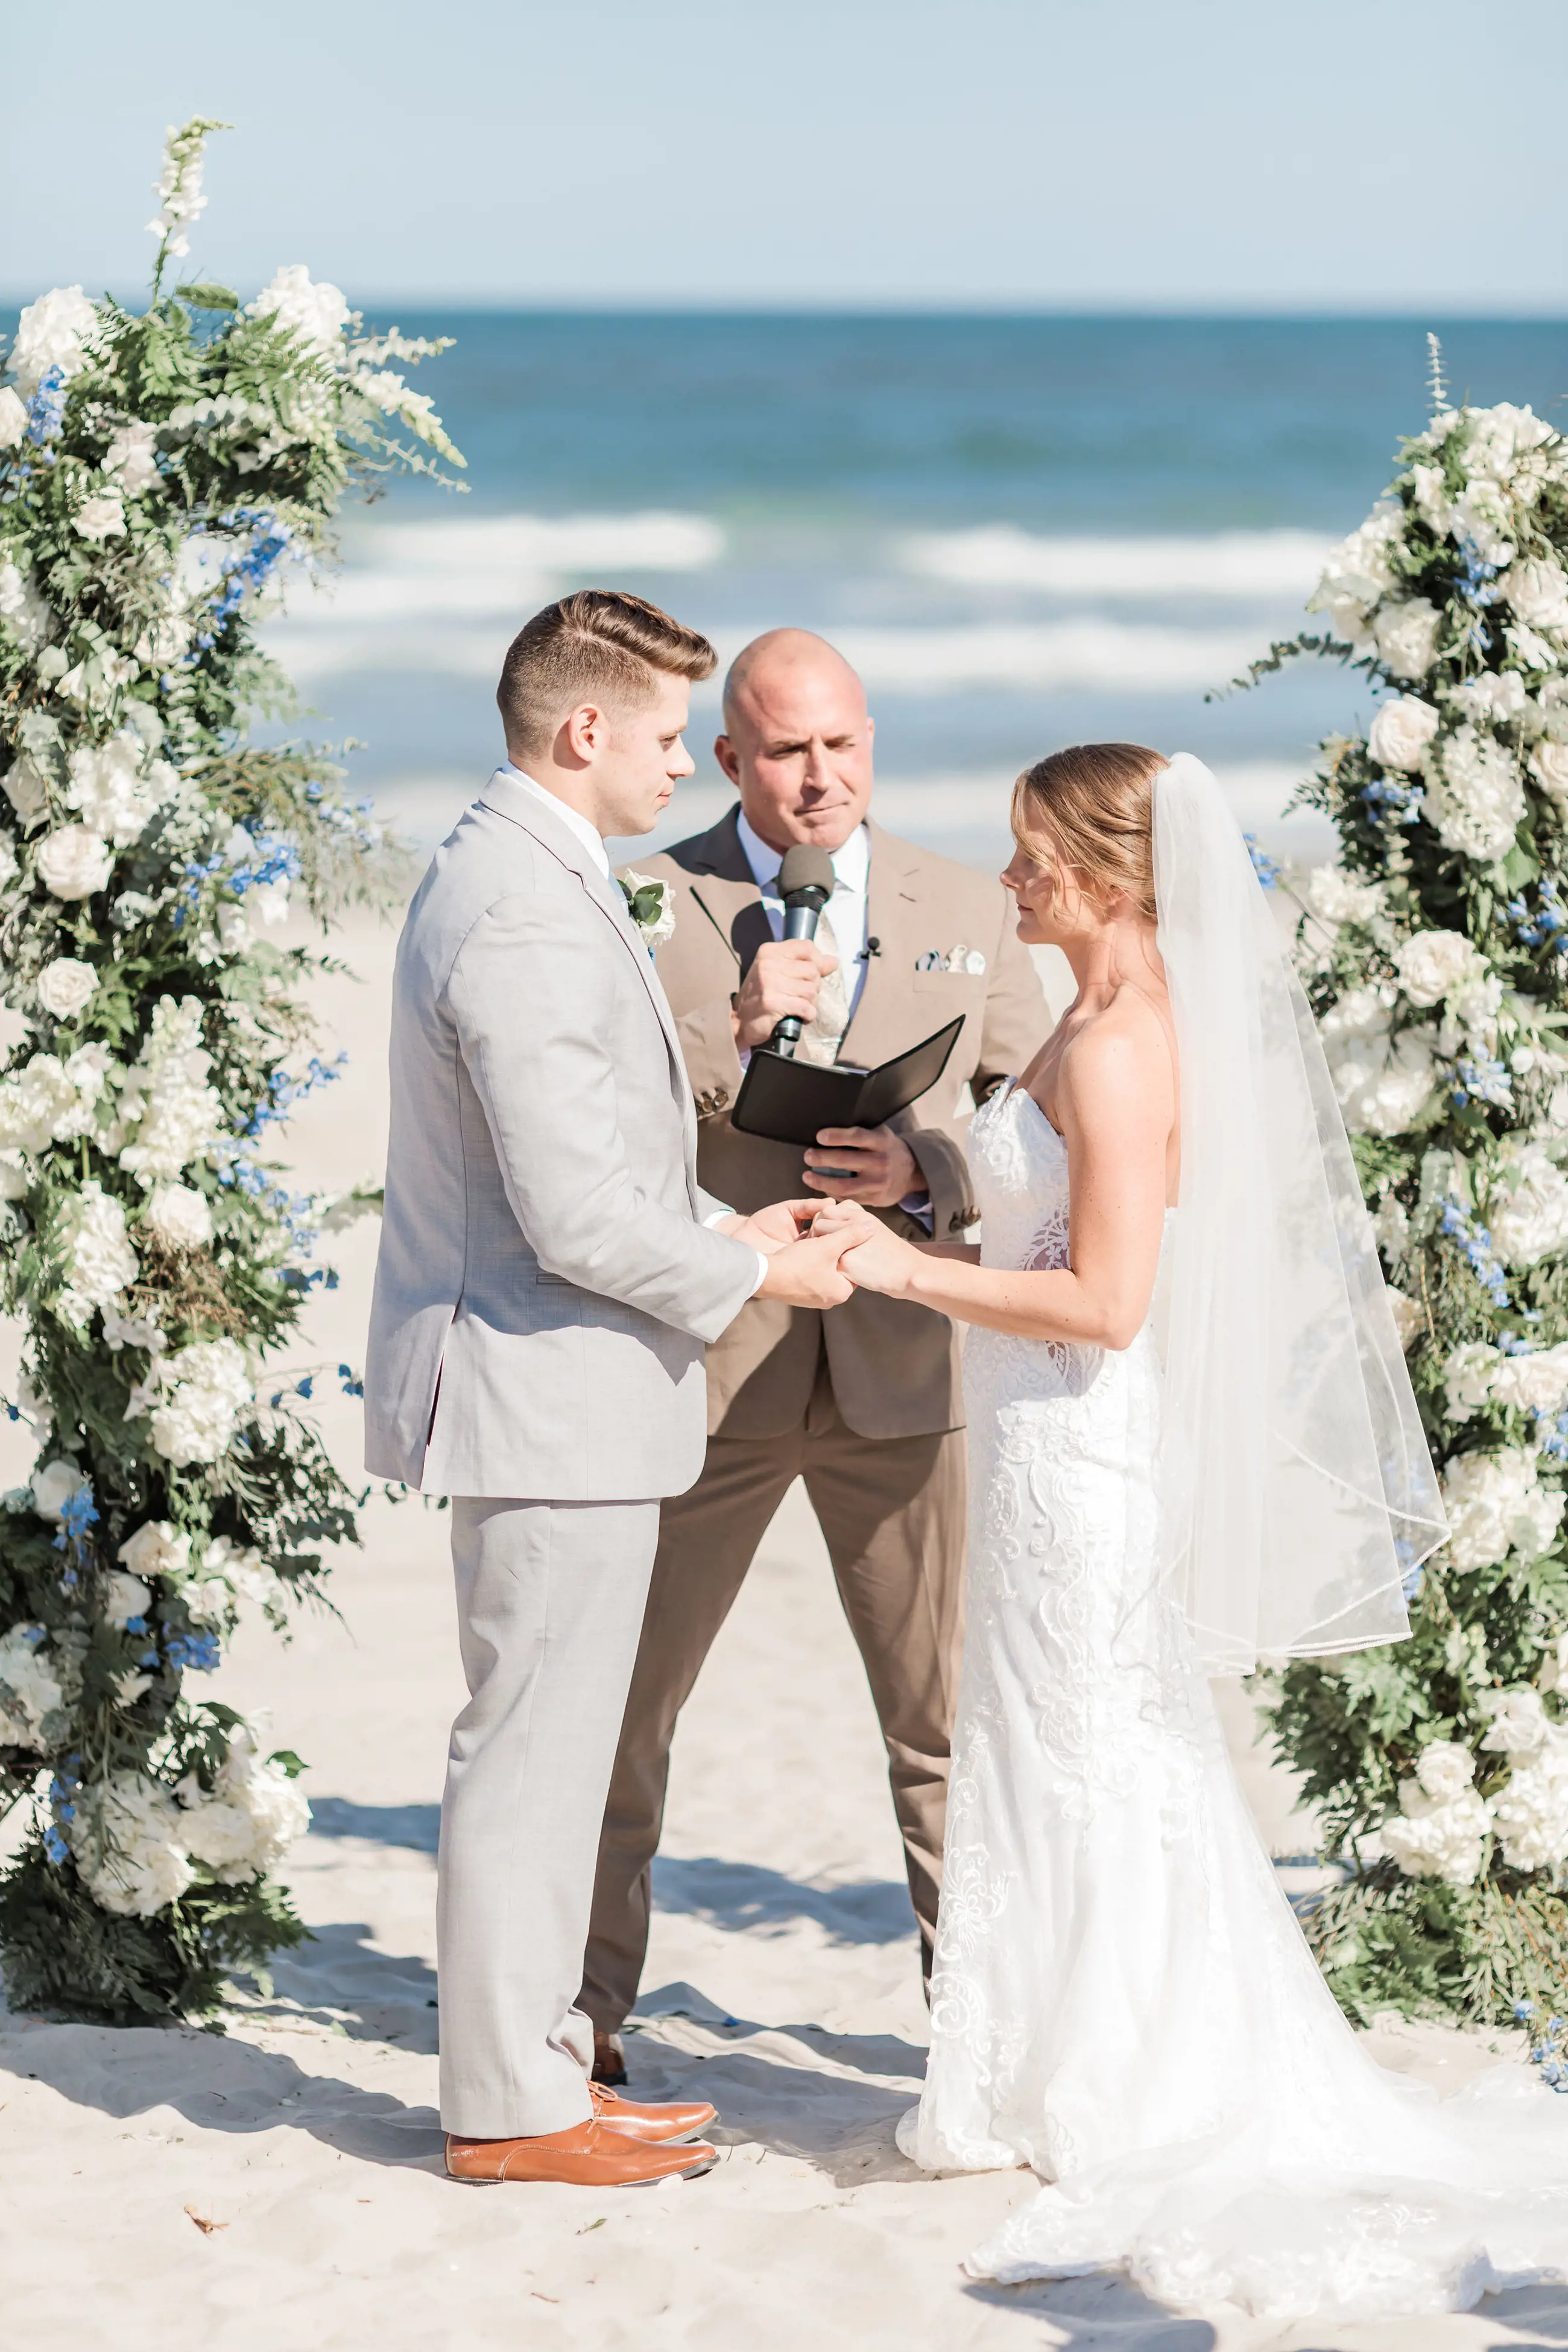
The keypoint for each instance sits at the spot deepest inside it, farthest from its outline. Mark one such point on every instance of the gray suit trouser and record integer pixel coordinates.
(549, 1606)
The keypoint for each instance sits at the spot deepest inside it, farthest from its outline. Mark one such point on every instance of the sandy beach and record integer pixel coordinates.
(278, 2184)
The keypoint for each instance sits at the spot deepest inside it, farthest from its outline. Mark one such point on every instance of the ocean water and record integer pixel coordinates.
(1023, 531)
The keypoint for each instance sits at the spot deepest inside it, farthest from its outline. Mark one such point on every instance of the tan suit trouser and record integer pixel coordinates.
(892, 1511)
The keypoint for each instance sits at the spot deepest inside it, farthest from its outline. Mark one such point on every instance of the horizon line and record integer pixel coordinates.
(1151, 313)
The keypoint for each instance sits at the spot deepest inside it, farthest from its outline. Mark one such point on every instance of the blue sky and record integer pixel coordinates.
(1182, 154)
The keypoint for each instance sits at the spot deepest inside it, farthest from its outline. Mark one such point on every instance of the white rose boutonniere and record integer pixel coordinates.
(651, 905)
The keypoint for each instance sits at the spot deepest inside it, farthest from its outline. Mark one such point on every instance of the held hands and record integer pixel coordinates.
(783, 979)
(872, 1257)
(802, 1267)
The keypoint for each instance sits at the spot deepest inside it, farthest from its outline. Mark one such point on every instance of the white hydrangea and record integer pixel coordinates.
(1406, 636)
(128, 1838)
(252, 1816)
(23, 610)
(318, 314)
(203, 1392)
(232, 1572)
(125, 1597)
(1536, 1382)
(1483, 514)
(73, 862)
(100, 1261)
(131, 458)
(1335, 897)
(1467, 1378)
(1496, 1505)
(1526, 1207)
(36, 1103)
(1435, 964)
(1384, 1082)
(1530, 1814)
(1497, 696)
(1537, 591)
(65, 986)
(1358, 573)
(1475, 795)
(1402, 732)
(1501, 438)
(180, 1216)
(116, 790)
(157, 1549)
(174, 1113)
(13, 418)
(1441, 1827)
(29, 1691)
(55, 331)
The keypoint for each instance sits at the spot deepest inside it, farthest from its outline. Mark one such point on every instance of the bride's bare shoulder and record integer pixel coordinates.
(1118, 1058)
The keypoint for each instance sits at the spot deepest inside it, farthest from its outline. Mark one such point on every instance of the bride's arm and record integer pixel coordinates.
(1115, 1099)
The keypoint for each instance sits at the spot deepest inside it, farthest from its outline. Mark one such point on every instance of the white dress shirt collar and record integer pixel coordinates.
(589, 835)
(851, 864)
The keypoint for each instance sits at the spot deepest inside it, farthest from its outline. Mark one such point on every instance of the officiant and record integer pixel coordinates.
(863, 1402)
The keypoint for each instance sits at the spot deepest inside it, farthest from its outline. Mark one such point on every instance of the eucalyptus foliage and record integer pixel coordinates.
(161, 474)
(1436, 955)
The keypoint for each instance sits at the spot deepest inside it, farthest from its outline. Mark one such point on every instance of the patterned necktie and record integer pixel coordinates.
(823, 1034)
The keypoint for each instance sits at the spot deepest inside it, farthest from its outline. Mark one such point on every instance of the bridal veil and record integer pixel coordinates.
(1297, 1494)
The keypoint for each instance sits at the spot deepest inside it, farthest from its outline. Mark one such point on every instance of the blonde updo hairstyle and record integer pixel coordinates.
(1091, 810)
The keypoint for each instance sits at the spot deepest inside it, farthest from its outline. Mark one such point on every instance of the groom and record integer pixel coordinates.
(549, 1274)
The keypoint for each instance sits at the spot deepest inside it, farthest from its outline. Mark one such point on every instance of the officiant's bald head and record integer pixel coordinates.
(797, 741)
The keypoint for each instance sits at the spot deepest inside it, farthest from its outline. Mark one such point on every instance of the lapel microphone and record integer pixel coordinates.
(805, 884)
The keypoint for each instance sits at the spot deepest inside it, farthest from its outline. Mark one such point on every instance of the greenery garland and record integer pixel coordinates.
(161, 476)
(1436, 954)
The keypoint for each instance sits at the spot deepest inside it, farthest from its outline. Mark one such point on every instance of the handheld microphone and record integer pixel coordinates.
(805, 885)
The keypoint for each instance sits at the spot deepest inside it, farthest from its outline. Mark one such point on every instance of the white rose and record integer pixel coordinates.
(127, 1838)
(1435, 964)
(53, 1486)
(180, 1216)
(1549, 766)
(1475, 795)
(1519, 1722)
(1401, 733)
(26, 789)
(156, 1549)
(1407, 637)
(101, 518)
(54, 331)
(110, 791)
(1444, 1768)
(1537, 591)
(1531, 1814)
(65, 986)
(125, 1597)
(73, 862)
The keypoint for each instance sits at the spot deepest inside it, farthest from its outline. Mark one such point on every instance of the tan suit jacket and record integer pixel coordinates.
(894, 1366)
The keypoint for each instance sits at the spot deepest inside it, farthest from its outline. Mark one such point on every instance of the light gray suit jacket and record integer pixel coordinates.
(545, 1287)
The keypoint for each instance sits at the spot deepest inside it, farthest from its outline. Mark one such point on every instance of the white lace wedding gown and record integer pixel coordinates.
(1121, 1998)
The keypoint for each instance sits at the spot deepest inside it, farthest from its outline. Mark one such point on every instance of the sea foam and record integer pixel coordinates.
(1240, 564)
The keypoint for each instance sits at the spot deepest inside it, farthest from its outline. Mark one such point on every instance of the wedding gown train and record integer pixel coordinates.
(1121, 1998)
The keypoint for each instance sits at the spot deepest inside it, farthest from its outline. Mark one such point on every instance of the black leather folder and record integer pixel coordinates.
(790, 1101)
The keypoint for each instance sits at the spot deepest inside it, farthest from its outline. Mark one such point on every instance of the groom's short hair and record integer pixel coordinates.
(597, 643)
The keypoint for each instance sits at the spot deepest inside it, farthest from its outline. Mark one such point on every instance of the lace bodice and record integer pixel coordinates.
(1019, 1166)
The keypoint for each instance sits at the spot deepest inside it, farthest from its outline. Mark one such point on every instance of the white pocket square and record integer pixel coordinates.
(959, 959)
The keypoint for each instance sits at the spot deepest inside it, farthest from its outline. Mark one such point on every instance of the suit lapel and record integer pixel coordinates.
(521, 808)
(720, 879)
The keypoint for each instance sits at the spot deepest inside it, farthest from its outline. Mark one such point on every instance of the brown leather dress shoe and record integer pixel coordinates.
(609, 2059)
(588, 2156)
(669, 2121)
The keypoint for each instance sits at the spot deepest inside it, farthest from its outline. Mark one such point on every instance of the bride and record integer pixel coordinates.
(1193, 1445)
